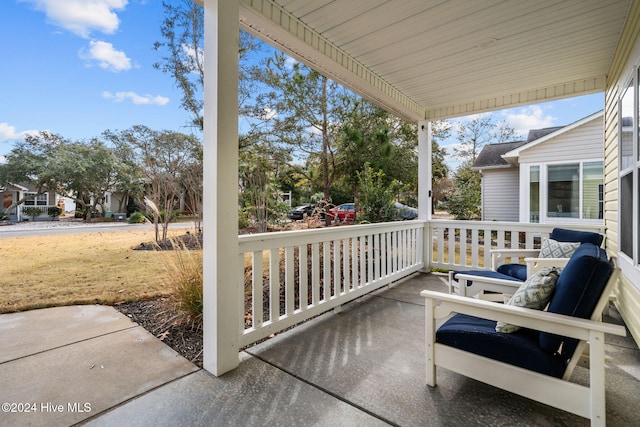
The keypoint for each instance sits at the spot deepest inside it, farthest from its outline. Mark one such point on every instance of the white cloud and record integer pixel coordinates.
(194, 56)
(9, 133)
(290, 62)
(268, 113)
(135, 98)
(106, 56)
(81, 17)
(525, 119)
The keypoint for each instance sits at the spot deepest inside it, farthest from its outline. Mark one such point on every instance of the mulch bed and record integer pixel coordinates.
(161, 319)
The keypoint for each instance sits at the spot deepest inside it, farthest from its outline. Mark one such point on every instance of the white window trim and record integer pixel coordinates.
(44, 196)
(630, 266)
(525, 175)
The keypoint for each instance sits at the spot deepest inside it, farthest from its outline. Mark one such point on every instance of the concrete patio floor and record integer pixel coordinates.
(364, 366)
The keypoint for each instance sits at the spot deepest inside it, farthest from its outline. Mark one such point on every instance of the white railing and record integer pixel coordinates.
(291, 276)
(44, 211)
(288, 277)
(466, 245)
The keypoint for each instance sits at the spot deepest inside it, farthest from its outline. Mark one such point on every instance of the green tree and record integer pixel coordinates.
(34, 162)
(465, 201)
(182, 49)
(376, 199)
(90, 171)
(164, 158)
(301, 109)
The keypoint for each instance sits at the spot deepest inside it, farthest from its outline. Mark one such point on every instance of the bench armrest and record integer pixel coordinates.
(560, 324)
(503, 256)
(536, 264)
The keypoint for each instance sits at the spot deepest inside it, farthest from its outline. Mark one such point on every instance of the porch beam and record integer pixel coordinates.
(569, 89)
(424, 186)
(220, 205)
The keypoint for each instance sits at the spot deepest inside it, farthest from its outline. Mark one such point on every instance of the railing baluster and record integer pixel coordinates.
(315, 273)
(303, 276)
(289, 280)
(257, 284)
(362, 276)
(346, 279)
(463, 246)
(336, 269)
(452, 246)
(274, 285)
(474, 248)
(370, 259)
(326, 266)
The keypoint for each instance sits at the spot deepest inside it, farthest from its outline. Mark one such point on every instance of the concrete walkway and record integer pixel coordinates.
(363, 367)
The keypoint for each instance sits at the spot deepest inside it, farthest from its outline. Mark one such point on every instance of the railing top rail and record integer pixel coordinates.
(509, 226)
(298, 237)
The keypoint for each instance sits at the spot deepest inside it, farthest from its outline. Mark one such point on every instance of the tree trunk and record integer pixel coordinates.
(325, 150)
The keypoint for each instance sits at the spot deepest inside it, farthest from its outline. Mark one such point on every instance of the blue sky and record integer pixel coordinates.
(79, 67)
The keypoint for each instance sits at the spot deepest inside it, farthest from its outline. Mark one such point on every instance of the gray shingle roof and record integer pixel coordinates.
(490, 156)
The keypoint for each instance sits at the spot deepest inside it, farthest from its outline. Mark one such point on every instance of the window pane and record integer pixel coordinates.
(42, 199)
(626, 214)
(626, 133)
(592, 190)
(31, 201)
(563, 191)
(534, 194)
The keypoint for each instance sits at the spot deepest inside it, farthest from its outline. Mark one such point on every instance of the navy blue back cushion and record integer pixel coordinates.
(518, 271)
(577, 292)
(564, 235)
(520, 348)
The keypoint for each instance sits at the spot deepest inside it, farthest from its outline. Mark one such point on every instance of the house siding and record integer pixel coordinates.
(500, 198)
(588, 137)
(627, 53)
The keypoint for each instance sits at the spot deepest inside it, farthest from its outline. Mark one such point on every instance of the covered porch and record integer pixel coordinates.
(490, 56)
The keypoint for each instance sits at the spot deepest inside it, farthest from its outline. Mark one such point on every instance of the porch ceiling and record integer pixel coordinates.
(433, 59)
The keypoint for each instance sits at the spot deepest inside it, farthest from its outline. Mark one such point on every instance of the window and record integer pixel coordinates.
(629, 172)
(566, 191)
(534, 194)
(39, 200)
(563, 191)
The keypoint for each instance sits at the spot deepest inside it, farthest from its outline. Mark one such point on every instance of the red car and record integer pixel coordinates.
(343, 212)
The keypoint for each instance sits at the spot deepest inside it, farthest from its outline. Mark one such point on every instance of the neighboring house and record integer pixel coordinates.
(10, 193)
(546, 179)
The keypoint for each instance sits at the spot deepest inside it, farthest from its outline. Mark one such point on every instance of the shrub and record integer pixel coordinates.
(376, 197)
(54, 212)
(33, 212)
(136, 218)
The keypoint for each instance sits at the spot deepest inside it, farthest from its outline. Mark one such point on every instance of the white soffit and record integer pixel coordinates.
(434, 59)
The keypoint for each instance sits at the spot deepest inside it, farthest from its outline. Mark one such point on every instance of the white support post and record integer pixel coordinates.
(424, 188)
(220, 249)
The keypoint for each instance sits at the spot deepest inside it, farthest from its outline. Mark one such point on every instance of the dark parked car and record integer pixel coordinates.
(404, 212)
(301, 211)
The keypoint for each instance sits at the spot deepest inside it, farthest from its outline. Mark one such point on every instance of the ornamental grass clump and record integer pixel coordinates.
(185, 273)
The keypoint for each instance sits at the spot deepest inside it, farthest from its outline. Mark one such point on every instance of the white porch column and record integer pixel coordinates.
(220, 207)
(424, 187)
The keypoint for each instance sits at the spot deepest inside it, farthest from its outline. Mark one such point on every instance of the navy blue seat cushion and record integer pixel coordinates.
(486, 273)
(577, 292)
(564, 235)
(520, 348)
(519, 271)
